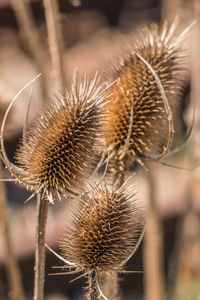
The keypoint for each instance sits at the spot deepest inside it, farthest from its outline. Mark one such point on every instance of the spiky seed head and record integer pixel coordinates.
(60, 143)
(136, 91)
(103, 229)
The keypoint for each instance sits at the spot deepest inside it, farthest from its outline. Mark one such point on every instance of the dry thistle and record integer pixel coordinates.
(56, 152)
(103, 230)
(59, 145)
(149, 85)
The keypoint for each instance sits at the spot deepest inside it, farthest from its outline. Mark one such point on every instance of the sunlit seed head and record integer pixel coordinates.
(103, 229)
(136, 91)
(60, 143)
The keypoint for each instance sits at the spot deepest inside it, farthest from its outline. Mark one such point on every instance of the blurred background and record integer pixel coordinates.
(94, 33)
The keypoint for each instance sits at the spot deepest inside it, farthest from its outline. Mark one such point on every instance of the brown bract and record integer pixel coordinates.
(103, 229)
(60, 144)
(137, 122)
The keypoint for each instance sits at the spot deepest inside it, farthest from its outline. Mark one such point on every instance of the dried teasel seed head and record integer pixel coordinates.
(60, 144)
(103, 229)
(138, 122)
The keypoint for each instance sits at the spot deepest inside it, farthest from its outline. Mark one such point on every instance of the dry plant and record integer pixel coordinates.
(58, 148)
(103, 230)
(56, 153)
(148, 87)
(145, 99)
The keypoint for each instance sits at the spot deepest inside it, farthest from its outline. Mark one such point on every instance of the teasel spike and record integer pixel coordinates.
(151, 89)
(104, 229)
(182, 35)
(167, 108)
(88, 100)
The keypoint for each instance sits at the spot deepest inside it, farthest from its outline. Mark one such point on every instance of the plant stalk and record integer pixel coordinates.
(14, 276)
(41, 218)
(153, 248)
(93, 293)
(55, 40)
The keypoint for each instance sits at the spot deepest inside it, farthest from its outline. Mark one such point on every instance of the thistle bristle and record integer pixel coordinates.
(136, 92)
(102, 229)
(60, 143)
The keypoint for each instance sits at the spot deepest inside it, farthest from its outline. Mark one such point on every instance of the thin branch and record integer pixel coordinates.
(29, 34)
(55, 40)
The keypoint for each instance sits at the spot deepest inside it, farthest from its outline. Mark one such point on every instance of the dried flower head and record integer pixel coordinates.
(149, 85)
(103, 230)
(60, 144)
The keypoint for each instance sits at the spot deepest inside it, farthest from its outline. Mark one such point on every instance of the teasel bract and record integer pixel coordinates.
(61, 143)
(149, 82)
(103, 230)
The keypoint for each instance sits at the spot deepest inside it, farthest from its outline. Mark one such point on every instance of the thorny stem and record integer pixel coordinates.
(14, 276)
(30, 35)
(110, 282)
(55, 39)
(153, 248)
(93, 293)
(41, 218)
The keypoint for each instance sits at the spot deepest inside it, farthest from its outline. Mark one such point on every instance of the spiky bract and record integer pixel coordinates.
(136, 91)
(60, 144)
(103, 229)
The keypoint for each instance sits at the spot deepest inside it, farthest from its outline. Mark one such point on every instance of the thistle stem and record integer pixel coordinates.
(92, 285)
(41, 218)
(110, 282)
(14, 276)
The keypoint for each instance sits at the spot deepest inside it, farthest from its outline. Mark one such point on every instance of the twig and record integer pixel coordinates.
(14, 276)
(41, 218)
(55, 40)
(153, 248)
(29, 34)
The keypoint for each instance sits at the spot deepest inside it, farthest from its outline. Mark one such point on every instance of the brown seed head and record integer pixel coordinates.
(137, 92)
(60, 143)
(103, 229)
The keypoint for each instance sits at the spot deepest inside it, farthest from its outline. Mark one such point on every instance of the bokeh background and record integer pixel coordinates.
(95, 33)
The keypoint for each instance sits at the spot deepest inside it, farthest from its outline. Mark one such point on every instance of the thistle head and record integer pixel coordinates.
(60, 144)
(103, 230)
(149, 84)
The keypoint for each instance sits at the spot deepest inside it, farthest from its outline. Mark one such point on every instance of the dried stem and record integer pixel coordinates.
(93, 293)
(29, 34)
(41, 218)
(153, 248)
(110, 281)
(14, 276)
(55, 39)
